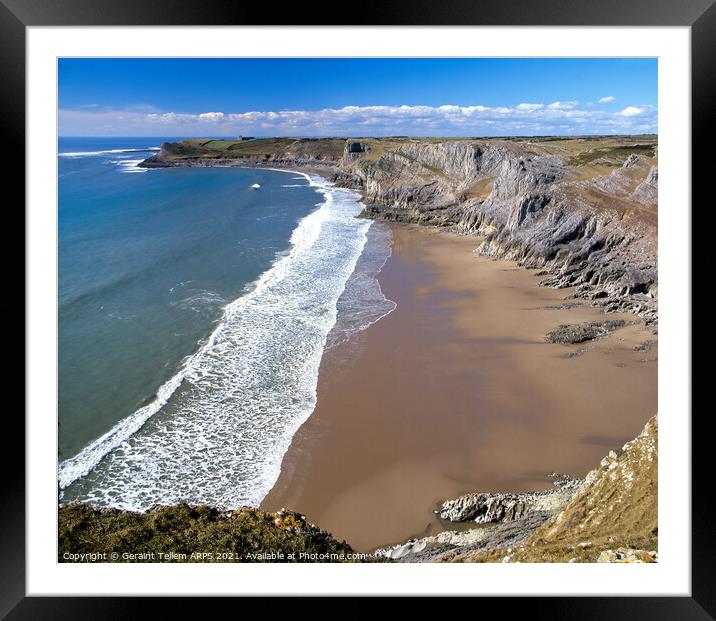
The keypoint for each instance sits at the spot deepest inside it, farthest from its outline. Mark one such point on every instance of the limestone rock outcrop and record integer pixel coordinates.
(483, 508)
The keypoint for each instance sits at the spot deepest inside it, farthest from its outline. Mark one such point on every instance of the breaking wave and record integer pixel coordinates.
(105, 152)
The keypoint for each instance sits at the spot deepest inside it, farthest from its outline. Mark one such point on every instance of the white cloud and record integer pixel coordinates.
(607, 99)
(563, 105)
(212, 117)
(168, 117)
(559, 117)
(634, 110)
(529, 107)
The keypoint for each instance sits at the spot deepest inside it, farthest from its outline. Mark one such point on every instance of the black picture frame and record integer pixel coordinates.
(17, 15)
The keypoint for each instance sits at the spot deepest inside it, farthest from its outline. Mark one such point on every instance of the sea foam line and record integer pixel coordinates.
(363, 302)
(105, 152)
(302, 238)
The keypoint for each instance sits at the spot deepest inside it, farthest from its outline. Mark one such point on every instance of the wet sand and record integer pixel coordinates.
(456, 391)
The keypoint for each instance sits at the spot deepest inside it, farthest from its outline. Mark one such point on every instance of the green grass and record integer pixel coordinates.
(220, 145)
(309, 148)
(240, 535)
(618, 153)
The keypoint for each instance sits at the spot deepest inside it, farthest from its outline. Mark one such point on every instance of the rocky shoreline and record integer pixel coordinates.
(586, 218)
(484, 508)
(510, 518)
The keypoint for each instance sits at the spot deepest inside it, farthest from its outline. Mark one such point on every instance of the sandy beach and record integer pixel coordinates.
(457, 391)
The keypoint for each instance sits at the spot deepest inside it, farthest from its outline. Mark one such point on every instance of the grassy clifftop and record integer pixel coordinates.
(181, 533)
(320, 149)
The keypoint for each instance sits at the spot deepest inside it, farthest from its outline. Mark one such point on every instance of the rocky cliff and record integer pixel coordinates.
(582, 211)
(589, 226)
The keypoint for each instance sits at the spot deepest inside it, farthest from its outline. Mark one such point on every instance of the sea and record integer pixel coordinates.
(195, 305)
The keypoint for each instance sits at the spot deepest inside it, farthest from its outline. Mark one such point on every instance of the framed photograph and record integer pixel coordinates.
(388, 308)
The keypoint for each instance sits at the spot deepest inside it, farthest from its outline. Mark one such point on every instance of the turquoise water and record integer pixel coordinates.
(193, 313)
(146, 261)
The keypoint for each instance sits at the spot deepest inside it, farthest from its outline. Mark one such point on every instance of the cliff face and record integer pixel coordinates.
(595, 233)
(583, 211)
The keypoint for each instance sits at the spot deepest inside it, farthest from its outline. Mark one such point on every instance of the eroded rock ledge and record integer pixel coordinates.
(581, 332)
(483, 508)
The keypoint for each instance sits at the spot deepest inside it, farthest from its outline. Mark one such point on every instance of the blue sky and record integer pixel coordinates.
(356, 97)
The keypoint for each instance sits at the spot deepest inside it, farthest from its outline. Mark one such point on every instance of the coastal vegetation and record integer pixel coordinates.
(180, 533)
